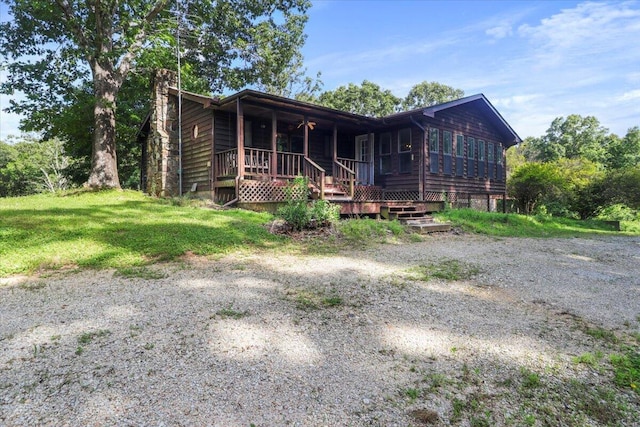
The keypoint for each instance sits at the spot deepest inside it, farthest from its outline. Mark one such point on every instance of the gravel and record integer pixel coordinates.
(277, 338)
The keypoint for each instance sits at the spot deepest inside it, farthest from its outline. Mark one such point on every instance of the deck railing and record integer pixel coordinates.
(290, 165)
(344, 176)
(257, 162)
(361, 169)
(226, 163)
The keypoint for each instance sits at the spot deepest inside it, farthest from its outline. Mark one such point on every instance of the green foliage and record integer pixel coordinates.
(300, 214)
(533, 182)
(627, 369)
(514, 225)
(117, 229)
(139, 273)
(67, 57)
(426, 94)
(368, 99)
(360, 231)
(625, 152)
(446, 269)
(618, 212)
(30, 166)
(573, 137)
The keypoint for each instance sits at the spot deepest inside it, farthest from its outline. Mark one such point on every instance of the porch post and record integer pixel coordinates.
(372, 157)
(305, 149)
(421, 165)
(334, 142)
(240, 137)
(274, 144)
(212, 165)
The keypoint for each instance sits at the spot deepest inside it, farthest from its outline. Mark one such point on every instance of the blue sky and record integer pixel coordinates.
(535, 61)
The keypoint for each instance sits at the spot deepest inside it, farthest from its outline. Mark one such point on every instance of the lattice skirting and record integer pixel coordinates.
(363, 193)
(266, 191)
(400, 195)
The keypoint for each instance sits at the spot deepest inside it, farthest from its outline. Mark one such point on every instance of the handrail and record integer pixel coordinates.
(226, 163)
(316, 174)
(344, 176)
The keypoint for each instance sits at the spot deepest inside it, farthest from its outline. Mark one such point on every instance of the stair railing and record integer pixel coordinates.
(315, 173)
(344, 176)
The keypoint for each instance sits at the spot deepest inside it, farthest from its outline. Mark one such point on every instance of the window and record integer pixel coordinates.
(447, 149)
(459, 155)
(459, 146)
(500, 155)
(248, 134)
(434, 145)
(404, 150)
(490, 152)
(471, 155)
(447, 142)
(434, 148)
(385, 153)
(481, 150)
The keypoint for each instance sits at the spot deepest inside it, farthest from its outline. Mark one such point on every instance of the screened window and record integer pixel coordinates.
(447, 142)
(499, 154)
(471, 148)
(434, 143)
(481, 149)
(404, 150)
(459, 145)
(385, 153)
(490, 152)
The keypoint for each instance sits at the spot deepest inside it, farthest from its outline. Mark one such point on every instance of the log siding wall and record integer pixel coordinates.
(196, 152)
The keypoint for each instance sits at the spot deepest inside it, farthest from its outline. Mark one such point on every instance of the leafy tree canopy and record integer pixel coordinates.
(368, 99)
(58, 50)
(426, 94)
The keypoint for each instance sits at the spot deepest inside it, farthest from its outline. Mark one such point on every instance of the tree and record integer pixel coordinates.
(368, 99)
(570, 138)
(426, 94)
(625, 152)
(534, 182)
(75, 43)
(30, 166)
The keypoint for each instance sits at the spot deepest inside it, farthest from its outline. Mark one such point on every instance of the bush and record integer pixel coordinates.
(299, 214)
(618, 212)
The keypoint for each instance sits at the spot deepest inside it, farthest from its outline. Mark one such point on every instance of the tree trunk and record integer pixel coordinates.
(104, 165)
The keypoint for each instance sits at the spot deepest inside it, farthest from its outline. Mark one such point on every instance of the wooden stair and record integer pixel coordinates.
(417, 219)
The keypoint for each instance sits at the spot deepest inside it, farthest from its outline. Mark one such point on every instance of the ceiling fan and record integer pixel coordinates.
(310, 125)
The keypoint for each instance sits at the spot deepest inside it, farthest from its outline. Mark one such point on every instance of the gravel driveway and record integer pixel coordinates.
(276, 339)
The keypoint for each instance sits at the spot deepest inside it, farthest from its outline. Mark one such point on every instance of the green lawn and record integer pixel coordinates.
(120, 229)
(514, 225)
(117, 229)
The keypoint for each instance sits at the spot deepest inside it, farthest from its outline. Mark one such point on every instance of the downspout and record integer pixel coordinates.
(178, 18)
(421, 168)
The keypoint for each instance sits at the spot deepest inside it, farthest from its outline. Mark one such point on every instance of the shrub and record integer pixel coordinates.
(299, 214)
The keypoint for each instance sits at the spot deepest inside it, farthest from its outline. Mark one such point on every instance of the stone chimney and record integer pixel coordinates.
(162, 143)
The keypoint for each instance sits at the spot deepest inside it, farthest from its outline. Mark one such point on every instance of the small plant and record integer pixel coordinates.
(149, 346)
(627, 369)
(79, 351)
(230, 313)
(313, 300)
(87, 337)
(530, 379)
(588, 359)
(332, 301)
(412, 393)
(33, 286)
(602, 334)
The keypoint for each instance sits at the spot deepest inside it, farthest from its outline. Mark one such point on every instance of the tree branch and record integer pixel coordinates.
(75, 28)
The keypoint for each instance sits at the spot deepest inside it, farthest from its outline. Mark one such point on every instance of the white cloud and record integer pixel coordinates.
(631, 95)
(500, 31)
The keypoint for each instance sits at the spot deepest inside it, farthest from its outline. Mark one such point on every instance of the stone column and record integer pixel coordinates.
(162, 142)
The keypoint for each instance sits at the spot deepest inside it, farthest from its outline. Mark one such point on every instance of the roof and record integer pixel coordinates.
(479, 100)
(317, 111)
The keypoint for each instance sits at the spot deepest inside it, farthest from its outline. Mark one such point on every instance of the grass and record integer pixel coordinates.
(117, 229)
(446, 269)
(514, 225)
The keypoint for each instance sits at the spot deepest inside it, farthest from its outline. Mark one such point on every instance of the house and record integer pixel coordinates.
(244, 148)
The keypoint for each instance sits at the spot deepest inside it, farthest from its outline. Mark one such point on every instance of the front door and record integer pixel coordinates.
(364, 158)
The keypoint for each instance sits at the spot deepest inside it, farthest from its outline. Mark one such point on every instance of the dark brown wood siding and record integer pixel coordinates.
(468, 122)
(196, 150)
(225, 131)
(395, 180)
